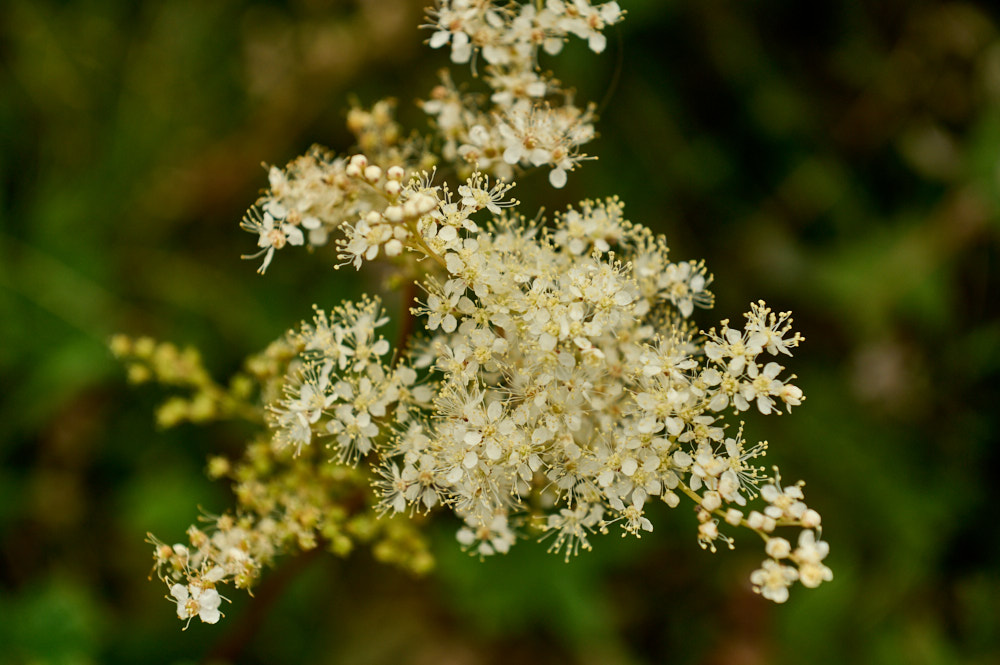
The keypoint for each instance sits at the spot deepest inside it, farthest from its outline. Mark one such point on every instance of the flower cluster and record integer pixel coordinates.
(558, 367)
(284, 503)
(529, 119)
(510, 34)
(343, 381)
(548, 380)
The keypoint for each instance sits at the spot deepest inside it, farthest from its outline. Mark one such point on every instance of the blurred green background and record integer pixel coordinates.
(838, 159)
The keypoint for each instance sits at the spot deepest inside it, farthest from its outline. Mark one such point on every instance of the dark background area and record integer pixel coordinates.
(841, 160)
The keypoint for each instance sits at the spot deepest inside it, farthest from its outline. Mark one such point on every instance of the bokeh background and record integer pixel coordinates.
(838, 159)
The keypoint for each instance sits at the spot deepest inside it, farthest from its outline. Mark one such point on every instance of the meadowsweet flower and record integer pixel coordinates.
(809, 556)
(271, 236)
(772, 580)
(549, 381)
(196, 601)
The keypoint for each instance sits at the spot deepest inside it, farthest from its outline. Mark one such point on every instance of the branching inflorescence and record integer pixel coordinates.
(552, 382)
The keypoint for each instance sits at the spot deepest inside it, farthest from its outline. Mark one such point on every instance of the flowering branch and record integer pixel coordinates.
(550, 383)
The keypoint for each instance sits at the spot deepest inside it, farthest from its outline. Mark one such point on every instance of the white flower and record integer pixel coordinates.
(270, 236)
(477, 194)
(395, 488)
(354, 431)
(762, 385)
(489, 538)
(772, 580)
(809, 555)
(313, 398)
(785, 503)
(193, 600)
(811, 550)
(452, 30)
(573, 527)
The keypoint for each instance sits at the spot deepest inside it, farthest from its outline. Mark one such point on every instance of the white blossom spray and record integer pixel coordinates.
(549, 383)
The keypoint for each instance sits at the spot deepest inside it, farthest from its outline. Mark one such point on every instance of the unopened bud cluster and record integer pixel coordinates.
(548, 381)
